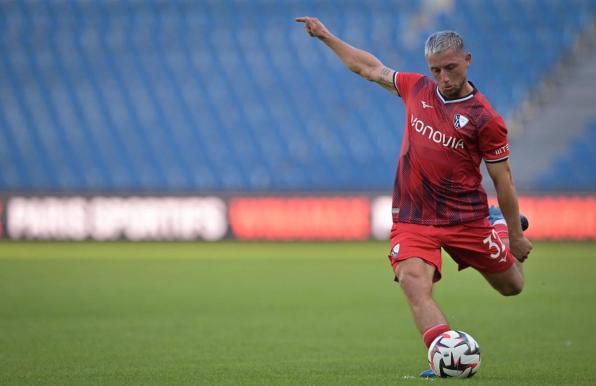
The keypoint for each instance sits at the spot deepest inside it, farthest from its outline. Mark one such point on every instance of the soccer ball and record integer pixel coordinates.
(454, 354)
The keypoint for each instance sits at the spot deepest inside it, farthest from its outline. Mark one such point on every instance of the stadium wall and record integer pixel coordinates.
(242, 217)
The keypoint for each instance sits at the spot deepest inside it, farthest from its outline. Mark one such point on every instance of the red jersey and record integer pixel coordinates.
(438, 180)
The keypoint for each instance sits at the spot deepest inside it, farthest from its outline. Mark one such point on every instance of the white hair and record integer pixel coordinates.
(442, 41)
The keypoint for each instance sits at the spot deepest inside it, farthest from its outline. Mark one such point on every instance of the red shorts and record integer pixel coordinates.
(473, 244)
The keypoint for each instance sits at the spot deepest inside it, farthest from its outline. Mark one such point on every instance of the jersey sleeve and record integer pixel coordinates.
(493, 142)
(404, 82)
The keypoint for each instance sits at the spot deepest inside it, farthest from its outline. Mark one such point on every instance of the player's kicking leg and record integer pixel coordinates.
(469, 245)
(510, 282)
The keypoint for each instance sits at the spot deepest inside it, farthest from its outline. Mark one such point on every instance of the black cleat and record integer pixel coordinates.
(495, 214)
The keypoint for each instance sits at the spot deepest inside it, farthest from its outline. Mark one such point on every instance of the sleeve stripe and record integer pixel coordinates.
(494, 161)
(395, 82)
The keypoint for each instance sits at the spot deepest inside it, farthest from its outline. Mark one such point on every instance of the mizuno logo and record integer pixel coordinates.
(426, 105)
(460, 121)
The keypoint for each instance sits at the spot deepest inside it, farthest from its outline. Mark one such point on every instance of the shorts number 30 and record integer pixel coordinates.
(493, 242)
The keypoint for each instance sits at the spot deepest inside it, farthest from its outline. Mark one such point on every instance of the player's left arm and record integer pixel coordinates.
(500, 173)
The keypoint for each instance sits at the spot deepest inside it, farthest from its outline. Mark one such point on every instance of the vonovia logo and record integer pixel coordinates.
(459, 121)
(395, 250)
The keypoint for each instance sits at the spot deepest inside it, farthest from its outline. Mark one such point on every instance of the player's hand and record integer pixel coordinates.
(520, 247)
(314, 27)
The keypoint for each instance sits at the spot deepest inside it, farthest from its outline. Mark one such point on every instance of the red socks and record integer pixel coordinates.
(430, 334)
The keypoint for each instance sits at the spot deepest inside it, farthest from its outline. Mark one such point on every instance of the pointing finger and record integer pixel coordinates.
(302, 19)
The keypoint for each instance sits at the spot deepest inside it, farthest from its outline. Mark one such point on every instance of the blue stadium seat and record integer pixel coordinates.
(574, 170)
(232, 95)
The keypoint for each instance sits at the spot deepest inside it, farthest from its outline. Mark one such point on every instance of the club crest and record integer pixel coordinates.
(459, 121)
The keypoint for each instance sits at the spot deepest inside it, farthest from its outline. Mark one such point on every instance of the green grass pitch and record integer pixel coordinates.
(276, 314)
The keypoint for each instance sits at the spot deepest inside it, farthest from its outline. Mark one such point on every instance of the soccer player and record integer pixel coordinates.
(438, 198)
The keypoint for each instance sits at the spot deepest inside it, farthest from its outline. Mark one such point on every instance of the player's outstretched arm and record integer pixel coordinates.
(359, 61)
(500, 173)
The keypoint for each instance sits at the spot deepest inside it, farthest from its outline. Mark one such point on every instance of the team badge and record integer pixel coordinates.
(460, 121)
(395, 250)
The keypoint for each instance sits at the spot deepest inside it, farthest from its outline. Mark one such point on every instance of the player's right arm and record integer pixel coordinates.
(359, 61)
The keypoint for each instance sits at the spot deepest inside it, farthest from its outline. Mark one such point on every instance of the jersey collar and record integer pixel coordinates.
(462, 99)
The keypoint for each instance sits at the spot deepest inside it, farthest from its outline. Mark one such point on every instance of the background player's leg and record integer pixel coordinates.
(415, 277)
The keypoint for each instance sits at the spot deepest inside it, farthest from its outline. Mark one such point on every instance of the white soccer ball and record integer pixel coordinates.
(454, 354)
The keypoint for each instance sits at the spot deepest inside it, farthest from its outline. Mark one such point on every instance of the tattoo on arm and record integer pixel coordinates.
(386, 76)
(385, 79)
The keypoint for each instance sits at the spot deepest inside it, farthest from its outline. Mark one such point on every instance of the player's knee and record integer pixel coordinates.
(512, 289)
(409, 279)
(413, 278)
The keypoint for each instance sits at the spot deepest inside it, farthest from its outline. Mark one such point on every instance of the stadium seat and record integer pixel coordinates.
(233, 96)
(574, 170)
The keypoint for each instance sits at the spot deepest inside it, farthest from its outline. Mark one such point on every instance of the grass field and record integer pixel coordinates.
(276, 314)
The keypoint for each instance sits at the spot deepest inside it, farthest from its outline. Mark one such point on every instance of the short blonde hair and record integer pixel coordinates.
(443, 40)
